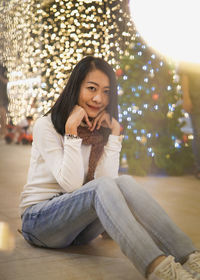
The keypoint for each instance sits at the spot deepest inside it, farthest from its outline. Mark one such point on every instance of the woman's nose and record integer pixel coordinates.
(98, 97)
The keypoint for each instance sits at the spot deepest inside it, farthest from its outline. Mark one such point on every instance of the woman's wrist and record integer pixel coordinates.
(116, 131)
(72, 136)
(115, 127)
(71, 131)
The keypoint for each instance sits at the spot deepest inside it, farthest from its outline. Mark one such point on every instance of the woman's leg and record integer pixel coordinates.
(56, 223)
(89, 233)
(154, 219)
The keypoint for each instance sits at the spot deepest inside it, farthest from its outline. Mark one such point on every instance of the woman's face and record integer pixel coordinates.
(94, 93)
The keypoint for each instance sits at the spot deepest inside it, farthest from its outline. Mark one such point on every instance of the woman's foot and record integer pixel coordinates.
(193, 265)
(170, 270)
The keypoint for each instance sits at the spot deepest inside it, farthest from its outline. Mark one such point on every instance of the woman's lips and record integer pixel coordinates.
(94, 108)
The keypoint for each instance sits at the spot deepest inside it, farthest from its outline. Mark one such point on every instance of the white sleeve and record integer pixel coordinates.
(108, 164)
(65, 163)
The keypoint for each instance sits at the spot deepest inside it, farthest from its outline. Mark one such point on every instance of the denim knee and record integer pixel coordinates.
(106, 185)
(104, 180)
(126, 179)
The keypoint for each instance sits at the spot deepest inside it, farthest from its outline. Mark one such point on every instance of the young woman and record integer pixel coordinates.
(73, 192)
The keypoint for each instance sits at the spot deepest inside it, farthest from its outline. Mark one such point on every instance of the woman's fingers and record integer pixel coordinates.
(77, 115)
(94, 123)
(102, 120)
(81, 113)
(87, 120)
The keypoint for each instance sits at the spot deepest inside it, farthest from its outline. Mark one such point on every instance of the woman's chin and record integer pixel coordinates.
(92, 116)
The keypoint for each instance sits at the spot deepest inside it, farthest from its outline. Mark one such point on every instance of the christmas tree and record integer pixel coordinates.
(150, 113)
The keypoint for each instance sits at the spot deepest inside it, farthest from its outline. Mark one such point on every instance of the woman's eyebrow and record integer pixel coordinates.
(90, 82)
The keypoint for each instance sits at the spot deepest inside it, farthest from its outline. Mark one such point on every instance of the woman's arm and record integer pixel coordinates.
(64, 162)
(108, 164)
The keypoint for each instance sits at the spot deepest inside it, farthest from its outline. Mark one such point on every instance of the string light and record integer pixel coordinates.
(47, 40)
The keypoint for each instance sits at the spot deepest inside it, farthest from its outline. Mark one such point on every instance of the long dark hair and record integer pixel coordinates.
(69, 97)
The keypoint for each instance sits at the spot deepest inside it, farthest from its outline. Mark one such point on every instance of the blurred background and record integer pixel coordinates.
(144, 41)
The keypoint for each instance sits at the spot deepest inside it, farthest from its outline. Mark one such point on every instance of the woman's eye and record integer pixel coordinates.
(107, 91)
(92, 88)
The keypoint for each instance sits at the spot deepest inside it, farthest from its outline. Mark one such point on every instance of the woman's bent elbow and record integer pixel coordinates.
(71, 186)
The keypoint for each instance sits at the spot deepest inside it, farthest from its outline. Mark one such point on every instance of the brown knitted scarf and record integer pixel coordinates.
(96, 138)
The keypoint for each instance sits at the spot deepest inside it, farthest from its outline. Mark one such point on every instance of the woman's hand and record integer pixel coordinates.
(77, 115)
(103, 119)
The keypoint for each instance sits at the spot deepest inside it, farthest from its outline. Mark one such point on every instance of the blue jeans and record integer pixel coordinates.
(121, 207)
(195, 119)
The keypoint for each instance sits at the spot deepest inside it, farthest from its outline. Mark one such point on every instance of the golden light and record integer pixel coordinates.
(7, 242)
(46, 38)
(171, 27)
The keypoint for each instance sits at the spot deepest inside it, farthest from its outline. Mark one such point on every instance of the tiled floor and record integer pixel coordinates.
(100, 260)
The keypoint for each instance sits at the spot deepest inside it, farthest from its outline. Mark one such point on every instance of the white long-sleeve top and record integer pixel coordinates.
(59, 164)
